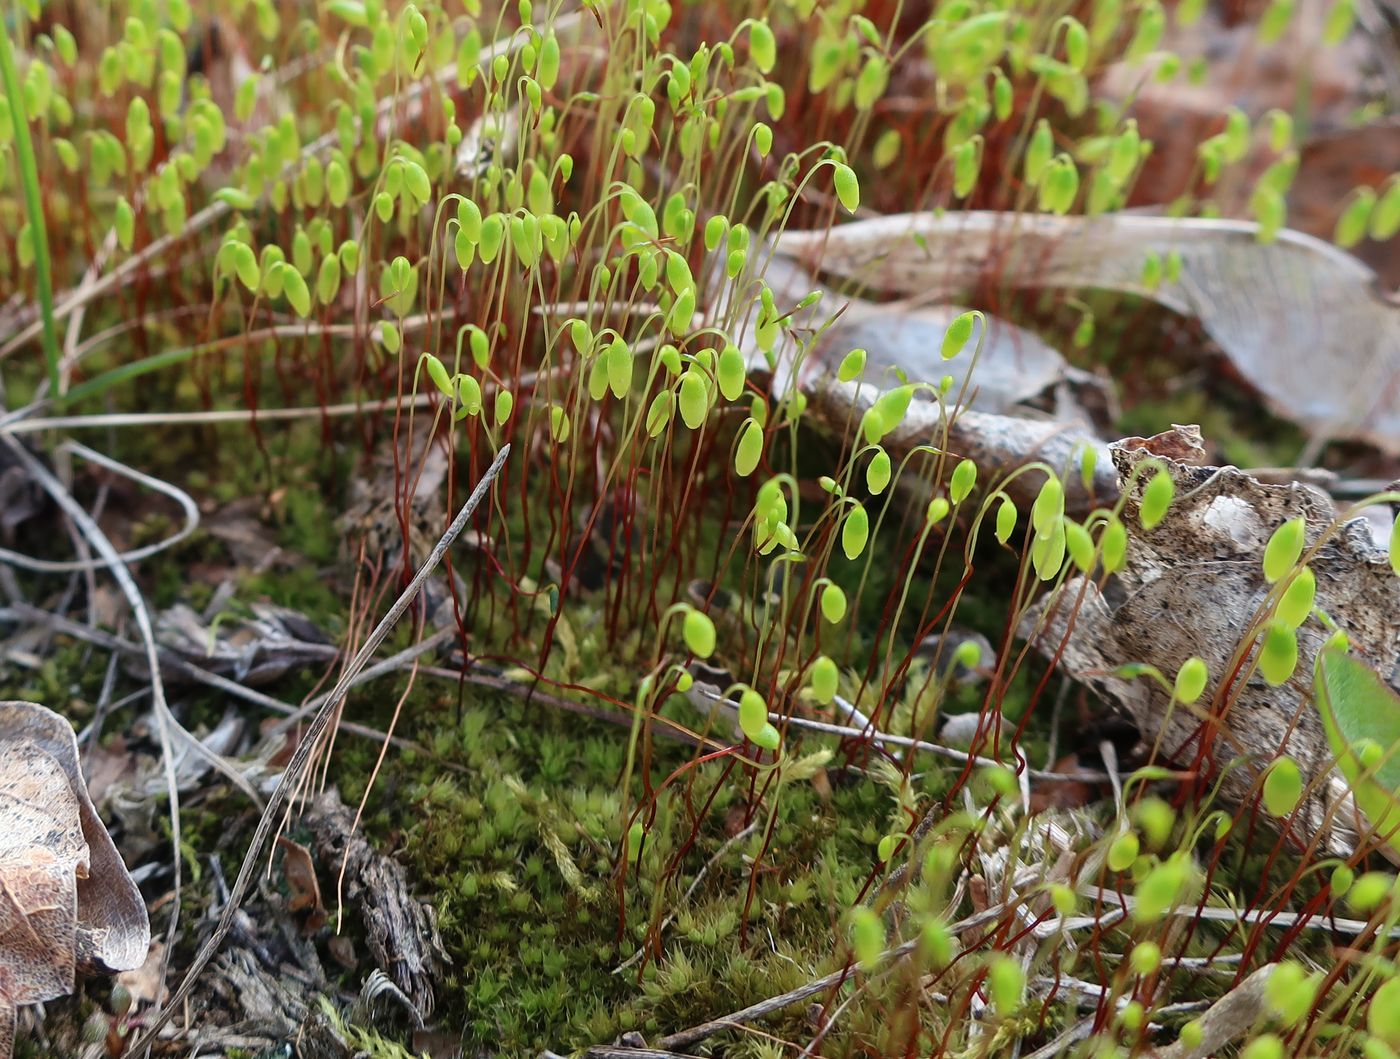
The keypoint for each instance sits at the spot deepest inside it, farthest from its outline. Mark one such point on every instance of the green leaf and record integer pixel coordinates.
(762, 46)
(1296, 602)
(767, 737)
(295, 289)
(877, 472)
(245, 263)
(753, 713)
(852, 365)
(868, 936)
(730, 373)
(1383, 1013)
(1049, 506)
(1191, 680)
(1163, 887)
(1123, 851)
(1038, 153)
(328, 279)
(694, 400)
(1290, 992)
(1385, 218)
(1006, 520)
(619, 367)
(1079, 544)
(468, 395)
(1359, 712)
(833, 603)
(1005, 982)
(1114, 543)
(236, 198)
(1355, 218)
(957, 336)
(824, 679)
(437, 371)
(750, 448)
(659, 412)
(962, 481)
(1278, 658)
(350, 11)
(871, 82)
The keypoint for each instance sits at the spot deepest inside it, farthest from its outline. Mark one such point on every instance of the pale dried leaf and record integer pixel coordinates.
(1013, 366)
(1300, 319)
(66, 900)
(1191, 586)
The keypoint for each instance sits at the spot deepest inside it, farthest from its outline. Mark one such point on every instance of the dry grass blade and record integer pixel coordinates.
(307, 749)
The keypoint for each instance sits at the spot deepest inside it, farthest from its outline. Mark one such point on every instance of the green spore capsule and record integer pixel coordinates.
(698, 631)
(1284, 547)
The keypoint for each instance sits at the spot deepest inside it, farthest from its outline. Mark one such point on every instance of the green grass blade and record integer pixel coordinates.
(29, 178)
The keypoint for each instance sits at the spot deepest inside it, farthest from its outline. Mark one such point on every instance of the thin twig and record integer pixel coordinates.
(390, 665)
(866, 734)
(665, 727)
(1229, 1018)
(64, 566)
(24, 612)
(305, 751)
(233, 415)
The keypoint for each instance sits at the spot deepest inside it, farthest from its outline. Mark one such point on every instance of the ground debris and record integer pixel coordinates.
(400, 931)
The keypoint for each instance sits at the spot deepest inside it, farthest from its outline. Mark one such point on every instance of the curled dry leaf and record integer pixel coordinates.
(1014, 368)
(304, 901)
(66, 900)
(1192, 586)
(995, 425)
(1300, 319)
(256, 647)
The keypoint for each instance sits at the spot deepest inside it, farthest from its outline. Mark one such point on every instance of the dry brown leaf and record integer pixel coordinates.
(300, 872)
(144, 982)
(1191, 587)
(66, 900)
(1302, 321)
